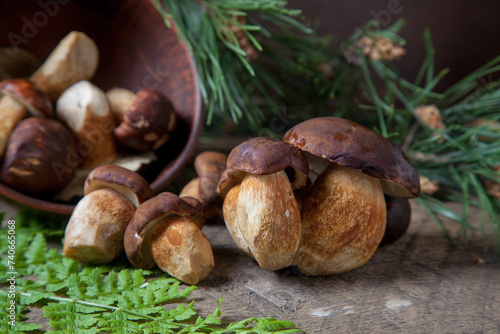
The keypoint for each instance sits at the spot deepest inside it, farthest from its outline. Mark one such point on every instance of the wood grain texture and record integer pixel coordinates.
(136, 51)
(420, 284)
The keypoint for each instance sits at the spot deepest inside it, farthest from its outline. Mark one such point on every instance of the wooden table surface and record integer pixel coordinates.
(420, 284)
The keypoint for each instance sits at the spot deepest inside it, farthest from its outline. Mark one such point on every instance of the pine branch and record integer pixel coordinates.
(459, 148)
(236, 45)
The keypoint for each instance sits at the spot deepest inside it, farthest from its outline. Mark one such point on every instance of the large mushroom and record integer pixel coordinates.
(97, 225)
(344, 213)
(260, 210)
(166, 231)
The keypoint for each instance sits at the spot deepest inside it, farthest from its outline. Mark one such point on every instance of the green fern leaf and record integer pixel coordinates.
(182, 312)
(37, 250)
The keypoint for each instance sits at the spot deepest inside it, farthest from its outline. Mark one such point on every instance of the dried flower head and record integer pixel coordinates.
(378, 48)
(431, 116)
(428, 186)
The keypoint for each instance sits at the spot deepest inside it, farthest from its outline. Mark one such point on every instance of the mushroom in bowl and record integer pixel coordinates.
(136, 51)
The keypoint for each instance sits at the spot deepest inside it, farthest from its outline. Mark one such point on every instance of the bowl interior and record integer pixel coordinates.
(137, 51)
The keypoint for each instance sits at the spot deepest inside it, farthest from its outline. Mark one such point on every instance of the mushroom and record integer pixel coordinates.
(120, 100)
(166, 231)
(35, 162)
(209, 166)
(75, 58)
(344, 213)
(260, 209)
(149, 122)
(20, 97)
(398, 219)
(83, 107)
(97, 225)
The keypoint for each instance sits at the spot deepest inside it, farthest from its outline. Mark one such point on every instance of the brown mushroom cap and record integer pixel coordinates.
(25, 92)
(128, 183)
(349, 144)
(150, 213)
(36, 159)
(262, 156)
(209, 166)
(149, 122)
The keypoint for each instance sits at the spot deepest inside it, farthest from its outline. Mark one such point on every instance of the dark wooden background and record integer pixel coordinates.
(466, 33)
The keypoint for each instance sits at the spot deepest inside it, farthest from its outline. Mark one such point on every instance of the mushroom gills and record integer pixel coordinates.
(343, 222)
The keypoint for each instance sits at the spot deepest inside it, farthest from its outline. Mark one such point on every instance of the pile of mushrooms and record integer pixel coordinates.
(336, 218)
(57, 126)
(119, 212)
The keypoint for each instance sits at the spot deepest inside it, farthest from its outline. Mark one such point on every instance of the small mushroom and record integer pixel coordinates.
(120, 101)
(20, 98)
(97, 225)
(149, 123)
(166, 231)
(263, 212)
(75, 58)
(209, 166)
(344, 213)
(35, 162)
(83, 107)
(398, 219)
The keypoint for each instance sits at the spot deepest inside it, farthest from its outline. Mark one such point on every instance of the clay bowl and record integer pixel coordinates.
(136, 49)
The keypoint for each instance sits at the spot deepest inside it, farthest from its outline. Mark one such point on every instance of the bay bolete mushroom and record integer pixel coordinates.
(96, 227)
(260, 210)
(166, 231)
(344, 213)
(34, 156)
(149, 122)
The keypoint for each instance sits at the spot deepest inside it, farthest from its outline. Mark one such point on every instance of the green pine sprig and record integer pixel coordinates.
(460, 157)
(110, 299)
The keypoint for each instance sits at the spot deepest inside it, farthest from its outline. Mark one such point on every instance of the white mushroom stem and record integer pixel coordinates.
(230, 213)
(96, 227)
(180, 248)
(11, 112)
(75, 58)
(343, 222)
(120, 101)
(269, 219)
(83, 107)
